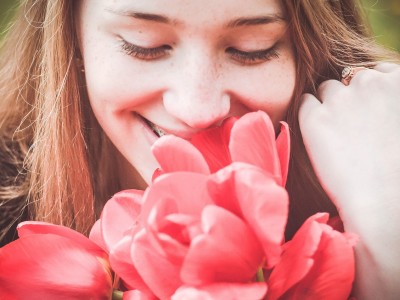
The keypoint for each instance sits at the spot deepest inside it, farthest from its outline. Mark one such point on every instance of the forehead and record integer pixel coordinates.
(201, 12)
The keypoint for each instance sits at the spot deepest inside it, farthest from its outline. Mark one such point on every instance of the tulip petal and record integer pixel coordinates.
(170, 231)
(283, 147)
(213, 144)
(137, 295)
(228, 251)
(317, 264)
(332, 274)
(29, 228)
(253, 142)
(175, 154)
(160, 275)
(187, 190)
(96, 236)
(265, 207)
(49, 266)
(120, 216)
(122, 264)
(296, 261)
(231, 291)
(257, 198)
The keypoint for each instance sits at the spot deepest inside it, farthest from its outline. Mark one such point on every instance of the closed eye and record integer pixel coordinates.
(242, 57)
(145, 53)
(253, 57)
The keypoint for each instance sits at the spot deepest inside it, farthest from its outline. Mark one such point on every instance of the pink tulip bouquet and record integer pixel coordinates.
(210, 226)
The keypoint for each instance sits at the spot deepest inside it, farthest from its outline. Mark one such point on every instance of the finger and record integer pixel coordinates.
(309, 103)
(328, 89)
(387, 67)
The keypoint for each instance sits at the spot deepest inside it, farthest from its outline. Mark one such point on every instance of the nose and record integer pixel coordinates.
(196, 94)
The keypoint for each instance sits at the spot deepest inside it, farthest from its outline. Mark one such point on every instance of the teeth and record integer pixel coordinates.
(157, 130)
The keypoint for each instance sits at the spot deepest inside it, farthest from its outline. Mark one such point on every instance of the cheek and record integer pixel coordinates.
(116, 83)
(269, 89)
(277, 86)
(110, 75)
(106, 82)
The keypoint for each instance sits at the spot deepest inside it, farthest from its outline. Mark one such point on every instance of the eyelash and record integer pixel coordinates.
(253, 57)
(144, 53)
(243, 57)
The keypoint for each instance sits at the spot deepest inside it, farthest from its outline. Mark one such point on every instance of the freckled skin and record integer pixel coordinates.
(196, 83)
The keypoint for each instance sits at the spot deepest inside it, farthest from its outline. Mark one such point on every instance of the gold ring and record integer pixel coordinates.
(349, 72)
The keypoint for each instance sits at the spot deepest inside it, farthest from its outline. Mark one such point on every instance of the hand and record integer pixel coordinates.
(352, 136)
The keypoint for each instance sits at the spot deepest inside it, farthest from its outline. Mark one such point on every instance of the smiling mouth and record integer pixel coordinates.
(157, 130)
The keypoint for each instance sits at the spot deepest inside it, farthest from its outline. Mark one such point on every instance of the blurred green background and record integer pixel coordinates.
(384, 16)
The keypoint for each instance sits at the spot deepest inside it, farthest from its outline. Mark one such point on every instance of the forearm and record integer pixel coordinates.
(377, 254)
(374, 280)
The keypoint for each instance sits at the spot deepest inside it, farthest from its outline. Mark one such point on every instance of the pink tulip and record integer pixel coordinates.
(250, 139)
(53, 262)
(201, 230)
(196, 228)
(317, 264)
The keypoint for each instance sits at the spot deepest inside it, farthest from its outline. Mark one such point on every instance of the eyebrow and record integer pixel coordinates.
(245, 21)
(251, 21)
(141, 16)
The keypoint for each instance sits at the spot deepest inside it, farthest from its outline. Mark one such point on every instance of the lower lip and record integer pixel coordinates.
(149, 133)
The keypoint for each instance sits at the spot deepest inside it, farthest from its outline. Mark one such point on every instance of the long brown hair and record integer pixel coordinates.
(60, 166)
(51, 143)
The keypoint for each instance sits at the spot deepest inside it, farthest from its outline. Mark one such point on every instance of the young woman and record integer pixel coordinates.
(87, 86)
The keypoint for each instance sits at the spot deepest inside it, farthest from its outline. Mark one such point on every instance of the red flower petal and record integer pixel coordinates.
(254, 196)
(175, 154)
(188, 190)
(120, 215)
(253, 142)
(170, 230)
(29, 228)
(48, 266)
(283, 147)
(160, 275)
(296, 260)
(137, 295)
(318, 264)
(96, 236)
(122, 264)
(231, 291)
(265, 208)
(213, 144)
(165, 231)
(228, 251)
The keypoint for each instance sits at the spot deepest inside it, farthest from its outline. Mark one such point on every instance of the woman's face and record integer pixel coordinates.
(158, 67)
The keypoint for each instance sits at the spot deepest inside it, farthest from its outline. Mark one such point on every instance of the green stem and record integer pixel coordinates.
(260, 275)
(117, 295)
